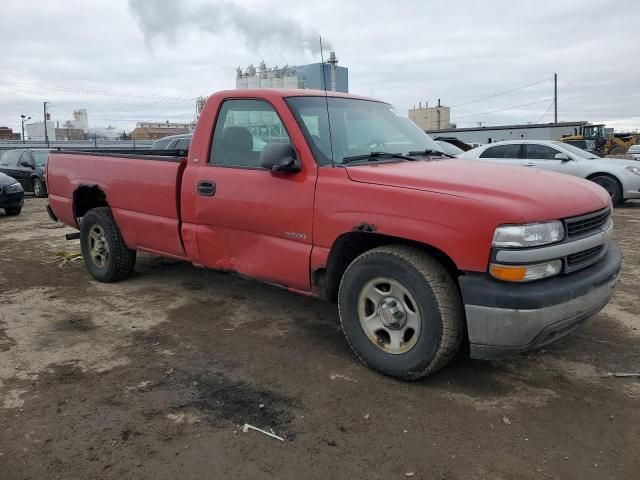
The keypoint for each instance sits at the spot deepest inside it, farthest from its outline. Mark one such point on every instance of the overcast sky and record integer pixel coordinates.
(150, 58)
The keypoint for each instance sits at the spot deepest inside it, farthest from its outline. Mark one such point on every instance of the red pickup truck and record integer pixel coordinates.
(341, 198)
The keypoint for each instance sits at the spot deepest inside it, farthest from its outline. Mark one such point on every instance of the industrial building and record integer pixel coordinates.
(431, 118)
(317, 76)
(155, 130)
(533, 131)
(6, 133)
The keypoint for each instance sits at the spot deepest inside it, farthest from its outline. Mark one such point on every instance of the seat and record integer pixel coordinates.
(236, 148)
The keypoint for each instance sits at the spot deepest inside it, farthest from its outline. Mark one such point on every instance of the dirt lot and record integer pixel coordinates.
(154, 377)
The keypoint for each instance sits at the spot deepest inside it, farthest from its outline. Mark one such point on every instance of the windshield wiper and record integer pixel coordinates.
(371, 156)
(430, 151)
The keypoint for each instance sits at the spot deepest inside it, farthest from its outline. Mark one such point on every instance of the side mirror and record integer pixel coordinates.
(280, 158)
(562, 156)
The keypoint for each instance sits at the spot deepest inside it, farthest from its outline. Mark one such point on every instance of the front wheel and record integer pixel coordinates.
(611, 186)
(39, 188)
(401, 311)
(105, 254)
(12, 211)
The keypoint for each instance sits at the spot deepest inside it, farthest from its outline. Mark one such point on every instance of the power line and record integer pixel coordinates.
(87, 91)
(503, 93)
(545, 113)
(506, 108)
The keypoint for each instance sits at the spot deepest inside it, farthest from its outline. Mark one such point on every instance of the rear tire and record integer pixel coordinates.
(612, 187)
(411, 285)
(39, 188)
(10, 212)
(105, 254)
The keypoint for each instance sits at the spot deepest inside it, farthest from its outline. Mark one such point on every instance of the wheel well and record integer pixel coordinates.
(350, 245)
(613, 177)
(87, 197)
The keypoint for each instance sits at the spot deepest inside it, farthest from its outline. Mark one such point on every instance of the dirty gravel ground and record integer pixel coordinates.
(153, 378)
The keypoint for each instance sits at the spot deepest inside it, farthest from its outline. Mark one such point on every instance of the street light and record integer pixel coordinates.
(24, 119)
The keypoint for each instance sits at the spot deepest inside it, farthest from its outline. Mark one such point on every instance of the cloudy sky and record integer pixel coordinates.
(128, 61)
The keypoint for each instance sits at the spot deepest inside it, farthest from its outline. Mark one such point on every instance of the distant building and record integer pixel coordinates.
(303, 76)
(6, 133)
(35, 131)
(431, 118)
(155, 130)
(67, 133)
(80, 120)
(533, 131)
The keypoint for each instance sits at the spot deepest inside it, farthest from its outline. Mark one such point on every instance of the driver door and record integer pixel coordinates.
(251, 220)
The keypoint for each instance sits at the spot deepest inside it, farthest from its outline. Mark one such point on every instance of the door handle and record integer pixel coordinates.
(529, 164)
(206, 188)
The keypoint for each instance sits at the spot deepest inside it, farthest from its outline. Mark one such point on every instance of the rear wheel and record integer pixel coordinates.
(611, 186)
(401, 311)
(39, 188)
(12, 211)
(105, 254)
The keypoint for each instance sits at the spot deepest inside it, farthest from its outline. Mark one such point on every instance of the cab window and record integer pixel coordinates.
(242, 130)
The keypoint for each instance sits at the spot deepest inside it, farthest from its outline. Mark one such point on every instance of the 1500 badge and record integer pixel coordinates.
(296, 235)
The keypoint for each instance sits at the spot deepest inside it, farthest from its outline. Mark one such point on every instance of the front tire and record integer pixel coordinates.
(401, 311)
(611, 186)
(105, 254)
(39, 188)
(10, 212)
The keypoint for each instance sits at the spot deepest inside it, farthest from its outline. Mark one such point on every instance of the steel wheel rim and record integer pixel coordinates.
(389, 315)
(98, 246)
(36, 188)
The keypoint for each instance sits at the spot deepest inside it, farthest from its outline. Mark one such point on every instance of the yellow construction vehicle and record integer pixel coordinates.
(603, 145)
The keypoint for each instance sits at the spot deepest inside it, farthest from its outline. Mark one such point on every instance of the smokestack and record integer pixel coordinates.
(438, 102)
(333, 62)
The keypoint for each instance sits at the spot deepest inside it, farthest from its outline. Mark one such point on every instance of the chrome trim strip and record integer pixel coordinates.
(556, 251)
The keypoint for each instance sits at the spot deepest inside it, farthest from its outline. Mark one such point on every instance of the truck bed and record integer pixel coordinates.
(141, 187)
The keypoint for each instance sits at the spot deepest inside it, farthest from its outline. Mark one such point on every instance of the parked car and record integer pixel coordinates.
(419, 250)
(620, 178)
(449, 149)
(11, 195)
(173, 142)
(27, 165)
(634, 151)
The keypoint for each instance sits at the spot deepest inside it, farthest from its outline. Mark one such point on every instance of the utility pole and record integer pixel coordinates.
(555, 97)
(46, 135)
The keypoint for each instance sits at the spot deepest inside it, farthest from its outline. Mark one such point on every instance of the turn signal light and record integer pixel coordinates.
(508, 273)
(525, 273)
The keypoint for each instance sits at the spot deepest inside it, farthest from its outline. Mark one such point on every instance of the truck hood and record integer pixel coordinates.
(534, 195)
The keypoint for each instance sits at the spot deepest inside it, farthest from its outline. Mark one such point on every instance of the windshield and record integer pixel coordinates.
(40, 157)
(449, 148)
(358, 127)
(576, 151)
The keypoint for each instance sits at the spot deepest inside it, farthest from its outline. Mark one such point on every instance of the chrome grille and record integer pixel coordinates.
(585, 224)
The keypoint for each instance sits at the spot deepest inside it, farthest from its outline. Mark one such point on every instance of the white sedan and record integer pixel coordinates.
(621, 178)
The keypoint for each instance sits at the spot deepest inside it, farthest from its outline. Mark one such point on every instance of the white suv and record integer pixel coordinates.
(621, 178)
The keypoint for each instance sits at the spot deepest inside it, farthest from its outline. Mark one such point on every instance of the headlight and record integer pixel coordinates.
(525, 273)
(531, 235)
(633, 169)
(13, 188)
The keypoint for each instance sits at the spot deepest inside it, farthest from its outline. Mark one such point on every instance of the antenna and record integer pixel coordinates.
(326, 99)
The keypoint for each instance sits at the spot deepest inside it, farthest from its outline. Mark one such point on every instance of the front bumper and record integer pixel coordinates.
(11, 200)
(504, 319)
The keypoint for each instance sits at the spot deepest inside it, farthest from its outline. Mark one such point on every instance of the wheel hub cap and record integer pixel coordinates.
(392, 313)
(389, 315)
(98, 246)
